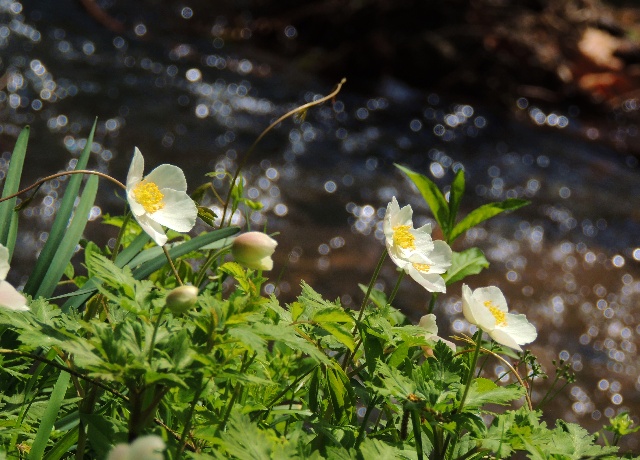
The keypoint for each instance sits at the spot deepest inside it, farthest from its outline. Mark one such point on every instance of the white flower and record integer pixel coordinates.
(159, 199)
(9, 297)
(413, 250)
(428, 323)
(254, 250)
(487, 308)
(148, 447)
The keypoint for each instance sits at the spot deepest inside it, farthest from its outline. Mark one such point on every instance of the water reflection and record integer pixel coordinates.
(570, 261)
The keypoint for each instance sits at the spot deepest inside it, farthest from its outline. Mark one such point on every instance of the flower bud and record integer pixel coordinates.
(148, 447)
(254, 250)
(182, 299)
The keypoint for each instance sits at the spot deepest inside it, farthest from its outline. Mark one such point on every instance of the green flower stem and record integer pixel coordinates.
(155, 332)
(173, 267)
(237, 390)
(363, 424)
(396, 287)
(187, 426)
(417, 432)
(365, 301)
(472, 368)
(211, 258)
(121, 232)
(432, 302)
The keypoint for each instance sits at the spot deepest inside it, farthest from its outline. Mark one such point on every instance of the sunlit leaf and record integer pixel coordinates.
(483, 213)
(469, 262)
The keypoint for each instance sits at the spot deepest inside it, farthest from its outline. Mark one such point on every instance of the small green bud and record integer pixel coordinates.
(254, 250)
(182, 299)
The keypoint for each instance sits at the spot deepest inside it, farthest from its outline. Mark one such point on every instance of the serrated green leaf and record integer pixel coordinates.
(484, 391)
(483, 213)
(432, 195)
(341, 333)
(334, 315)
(296, 310)
(469, 262)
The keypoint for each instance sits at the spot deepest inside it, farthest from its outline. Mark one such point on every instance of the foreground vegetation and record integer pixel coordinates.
(166, 346)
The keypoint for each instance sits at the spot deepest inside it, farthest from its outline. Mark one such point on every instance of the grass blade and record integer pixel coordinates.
(72, 236)
(59, 226)
(48, 419)
(181, 249)
(11, 185)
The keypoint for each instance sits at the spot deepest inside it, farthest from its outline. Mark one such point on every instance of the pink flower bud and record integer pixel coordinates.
(182, 299)
(254, 250)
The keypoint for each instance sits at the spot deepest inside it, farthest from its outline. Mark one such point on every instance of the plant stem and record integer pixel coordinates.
(396, 287)
(155, 332)
(173, 267)
(187, 426)
(432, 302)
(417, 432)
(472, 368)
(246, 156)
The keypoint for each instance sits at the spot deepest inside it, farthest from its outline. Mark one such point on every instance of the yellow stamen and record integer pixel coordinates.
(499, 315)
(402, 237)
(422, 267)
(149, 196)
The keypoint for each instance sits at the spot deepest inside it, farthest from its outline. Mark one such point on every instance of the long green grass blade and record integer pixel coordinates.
(181, 249)
(59, 226)
(49, 417)
(63, 446)
(71, 238)
(12, 183)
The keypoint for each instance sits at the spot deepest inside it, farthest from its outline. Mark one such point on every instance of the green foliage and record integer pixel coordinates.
(240, 375)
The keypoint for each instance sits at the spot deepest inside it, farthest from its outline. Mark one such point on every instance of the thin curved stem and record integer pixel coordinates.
(173, 267)
(246, 156)
(60, 174)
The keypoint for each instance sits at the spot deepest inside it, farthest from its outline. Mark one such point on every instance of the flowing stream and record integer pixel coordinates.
(570, 261)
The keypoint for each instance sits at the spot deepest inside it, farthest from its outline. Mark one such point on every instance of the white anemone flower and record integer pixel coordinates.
(159, 199)
(487, 308)
(413, 250)
(428, 323)
(9, 297)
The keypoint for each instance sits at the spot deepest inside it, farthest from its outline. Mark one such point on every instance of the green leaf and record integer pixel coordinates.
(469, 262)
(207, 215)
(341, 395)
(49, 417)
(334, 315)
(181, 249)
(432, 195)
(483, 213)
(72, 236)
(484, 391)
(11, 185)
(455, 197)
(341, 333)
(59, 227)
(296, 310)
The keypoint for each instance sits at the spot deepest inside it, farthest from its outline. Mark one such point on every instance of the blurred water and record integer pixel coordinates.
(570, 260)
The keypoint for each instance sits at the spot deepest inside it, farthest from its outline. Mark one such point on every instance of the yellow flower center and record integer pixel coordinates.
(422, 267)
(149, 196)
(402, 237)
(499, 315)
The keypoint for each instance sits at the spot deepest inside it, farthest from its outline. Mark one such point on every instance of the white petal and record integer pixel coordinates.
(136, 170)
(136, 208)
(168, 176)
(119, 452)
(12, 299)
(440, 256)
(428, 323)
(153, 229)
(492, 294)
(179, 212)
(403, 217)
(148, 447)
(475, 312)
(4, 262)
(504, 338)
(432, 282)
(520, 329)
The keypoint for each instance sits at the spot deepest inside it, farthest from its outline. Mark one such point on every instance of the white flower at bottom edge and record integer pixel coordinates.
(159, 199)
(413, 250)
(487, 308)
(10, 298)
(428, 323)
(148, 447)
